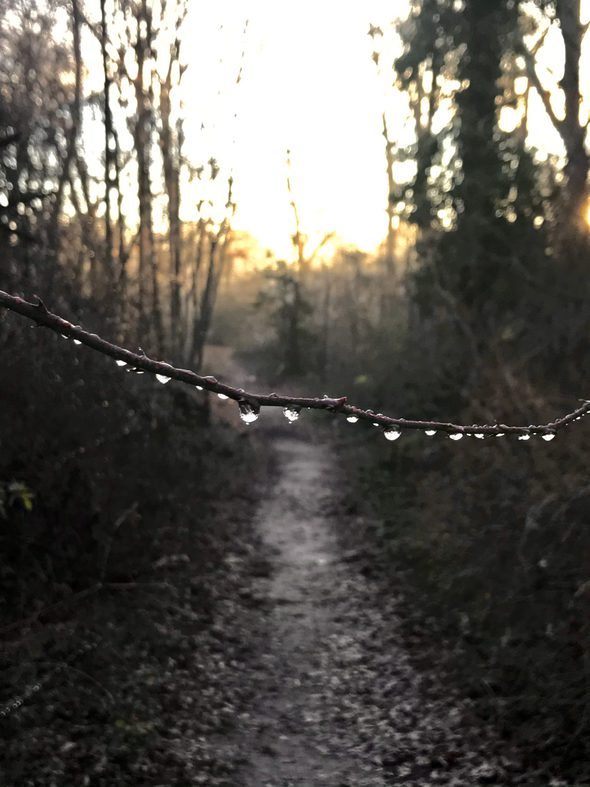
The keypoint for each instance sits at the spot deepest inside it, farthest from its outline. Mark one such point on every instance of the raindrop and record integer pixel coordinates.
(479, 435)
(548, 437)
(291, 414)
(247, 413)
(376, 424)
(139, 371)
(352, 419)
(430, 432)
(199, 387)
(524, 437)
(77, 341)
(222, 396)
(63, 336)
(456, 436)
(392, 434)
(500, 434)
(120, 363)
(161, 378)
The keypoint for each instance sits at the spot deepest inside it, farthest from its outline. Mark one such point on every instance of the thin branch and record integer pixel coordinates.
(544, 94)
(327, 237)
(38, 313)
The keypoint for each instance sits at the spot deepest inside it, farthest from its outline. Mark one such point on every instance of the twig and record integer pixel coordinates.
(38, 313)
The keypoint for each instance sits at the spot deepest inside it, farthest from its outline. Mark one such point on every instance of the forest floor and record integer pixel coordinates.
(281, 662)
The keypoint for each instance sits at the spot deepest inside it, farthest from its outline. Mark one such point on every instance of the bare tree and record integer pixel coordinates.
(171, 139)
(108, 144)
(572, 129)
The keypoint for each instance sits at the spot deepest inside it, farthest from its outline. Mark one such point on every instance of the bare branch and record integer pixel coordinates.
(39, 314)
(531, 67)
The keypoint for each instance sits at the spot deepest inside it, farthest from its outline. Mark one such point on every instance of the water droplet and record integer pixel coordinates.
(63, 336)
(548, 437)
(430, 432)
(199, 387)
(524, 437)
(77, 341)
(479, 435)
(456, 436)
(291, 414)
(376, 424)
(120, 363)
(392, 434)
(139, 371)
(500, 434)
(222, 396)
(247, 413)
(352, 419)
(161, 378)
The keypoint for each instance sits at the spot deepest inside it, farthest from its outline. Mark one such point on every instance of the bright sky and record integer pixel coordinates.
(308, 85)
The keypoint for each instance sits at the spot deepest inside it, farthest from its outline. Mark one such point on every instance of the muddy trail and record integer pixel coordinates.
(336, 699)
(281, 663)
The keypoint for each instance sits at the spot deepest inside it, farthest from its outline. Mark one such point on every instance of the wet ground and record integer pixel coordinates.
(280, 663)
(337, 701)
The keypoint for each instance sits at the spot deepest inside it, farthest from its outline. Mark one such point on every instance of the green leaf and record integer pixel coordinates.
(20, 493)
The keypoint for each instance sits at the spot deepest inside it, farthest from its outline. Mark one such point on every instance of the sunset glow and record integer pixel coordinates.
(308, 85)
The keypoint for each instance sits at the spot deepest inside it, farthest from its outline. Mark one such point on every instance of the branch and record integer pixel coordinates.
(531, 66)
(250, 403)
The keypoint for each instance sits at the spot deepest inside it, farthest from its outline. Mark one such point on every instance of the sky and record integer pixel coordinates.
(308, 85)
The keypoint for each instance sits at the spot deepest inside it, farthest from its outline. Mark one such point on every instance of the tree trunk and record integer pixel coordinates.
(108, 148)
(572, 132)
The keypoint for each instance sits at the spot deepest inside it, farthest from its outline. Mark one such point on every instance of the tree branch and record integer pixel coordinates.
(544, 94)
(252, 402)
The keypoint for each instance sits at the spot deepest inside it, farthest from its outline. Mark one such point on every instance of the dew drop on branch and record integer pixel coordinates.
(77, 341)
(479, 435)
(247, 413)
(120, 363)
(430, 432)
(291, 414)
(524, 437)
(500, 434)
(161, 378)
(352, 419)
(548, 437)
(222, 396)
(199, 387)
(392, 434)
(456, 436)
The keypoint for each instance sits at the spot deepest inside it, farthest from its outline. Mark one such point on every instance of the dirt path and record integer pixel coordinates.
(337, 701)
(278, 662)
